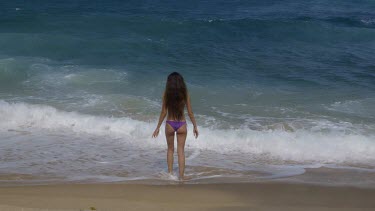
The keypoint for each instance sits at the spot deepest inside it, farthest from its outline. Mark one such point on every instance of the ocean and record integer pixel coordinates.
(281, 90)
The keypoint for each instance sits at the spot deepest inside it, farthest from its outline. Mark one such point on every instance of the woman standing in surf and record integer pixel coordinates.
(175, 99)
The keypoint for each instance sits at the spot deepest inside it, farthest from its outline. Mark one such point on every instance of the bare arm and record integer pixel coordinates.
(163, 113)
(191, 116)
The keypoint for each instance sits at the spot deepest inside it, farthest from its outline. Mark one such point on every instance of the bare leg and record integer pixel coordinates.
(169, 134)
(181, 138)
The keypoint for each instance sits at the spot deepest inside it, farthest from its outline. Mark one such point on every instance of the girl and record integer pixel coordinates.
(175, 99)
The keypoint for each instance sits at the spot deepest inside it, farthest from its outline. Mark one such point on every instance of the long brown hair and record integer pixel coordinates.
(175, 95)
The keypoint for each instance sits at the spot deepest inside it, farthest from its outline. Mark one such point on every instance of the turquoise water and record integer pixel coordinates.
(276, 86)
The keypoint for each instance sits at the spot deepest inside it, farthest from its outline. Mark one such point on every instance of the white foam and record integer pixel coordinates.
(307, 144)
(193, 155)
(167, 176)
(362, 107)
(368, 21)
(27, 116)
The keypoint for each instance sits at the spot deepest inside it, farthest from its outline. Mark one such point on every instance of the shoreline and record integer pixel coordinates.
(322, 176)
(236, 196)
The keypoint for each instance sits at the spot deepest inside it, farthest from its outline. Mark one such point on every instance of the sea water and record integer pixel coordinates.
(277, 88)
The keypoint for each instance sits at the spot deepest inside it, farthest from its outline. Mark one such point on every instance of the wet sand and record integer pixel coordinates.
(246, 196)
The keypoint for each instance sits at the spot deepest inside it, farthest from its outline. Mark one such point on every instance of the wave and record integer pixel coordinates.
(142, 31)
(348, 21)
(302, 145)
(362, 108)
(12, 71)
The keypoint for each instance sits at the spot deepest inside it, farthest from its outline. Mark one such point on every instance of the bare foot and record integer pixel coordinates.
(184, 179)
(181, 180)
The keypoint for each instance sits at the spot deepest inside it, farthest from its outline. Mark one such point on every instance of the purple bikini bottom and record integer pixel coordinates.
(176, 124)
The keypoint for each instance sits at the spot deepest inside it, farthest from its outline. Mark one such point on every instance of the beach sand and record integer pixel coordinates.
(246, 196)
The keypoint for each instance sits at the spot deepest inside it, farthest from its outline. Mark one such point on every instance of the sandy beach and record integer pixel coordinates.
(248, 196)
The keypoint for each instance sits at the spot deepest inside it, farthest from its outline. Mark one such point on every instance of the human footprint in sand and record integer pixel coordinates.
(175, 99)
